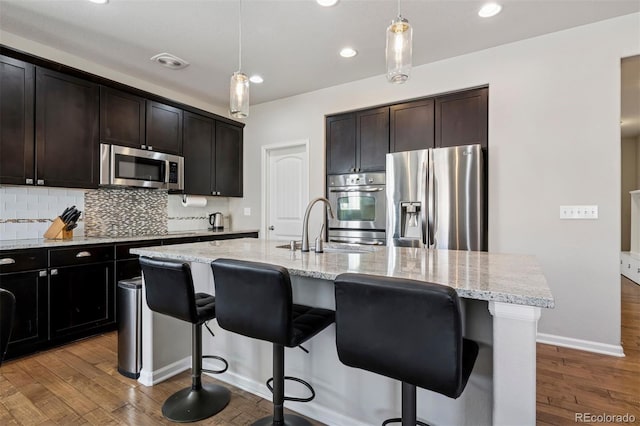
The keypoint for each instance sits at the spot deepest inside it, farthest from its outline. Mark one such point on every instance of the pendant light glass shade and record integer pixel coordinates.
(239, 95)
(239, 87)
(398, 52)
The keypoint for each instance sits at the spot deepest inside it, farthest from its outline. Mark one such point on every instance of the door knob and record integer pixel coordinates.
(271, 228)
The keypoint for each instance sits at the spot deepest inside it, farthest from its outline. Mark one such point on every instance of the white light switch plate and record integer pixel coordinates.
(579, 212)
(247, 211)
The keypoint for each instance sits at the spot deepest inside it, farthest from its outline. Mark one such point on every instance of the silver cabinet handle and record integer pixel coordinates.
(29, 181)
(54, 272)
(83, 254)
(7, 261)
(271, 228)
(143, 146)
(149, 147)
(42, 273)
(40, 182)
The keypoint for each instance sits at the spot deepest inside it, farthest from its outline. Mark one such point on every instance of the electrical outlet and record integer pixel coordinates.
(247, 211)
(579, 212)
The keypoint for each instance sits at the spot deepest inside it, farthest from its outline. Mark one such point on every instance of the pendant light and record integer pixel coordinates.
(239, 88)
(398, 51)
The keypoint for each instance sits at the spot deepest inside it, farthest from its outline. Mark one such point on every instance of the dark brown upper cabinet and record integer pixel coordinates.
(412, 126)
(16, 118)
(164, 128)
(122, 118)
(372, 139)
(357, 142)
(462, 118)
(228, 162)
(341, 143)
(212, 156)
(198, 150)
(67, 142)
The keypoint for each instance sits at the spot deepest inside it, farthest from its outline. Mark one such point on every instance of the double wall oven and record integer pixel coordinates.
(359, 206)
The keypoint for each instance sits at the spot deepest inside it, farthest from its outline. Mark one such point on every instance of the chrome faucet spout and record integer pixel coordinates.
(305, 223)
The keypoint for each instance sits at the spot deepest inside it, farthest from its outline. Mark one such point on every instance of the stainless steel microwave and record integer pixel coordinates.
(123, 166)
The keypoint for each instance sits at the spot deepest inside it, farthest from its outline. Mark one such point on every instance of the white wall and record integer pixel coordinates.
(554, 137)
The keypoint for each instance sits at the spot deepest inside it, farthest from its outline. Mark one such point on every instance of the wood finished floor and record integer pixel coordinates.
(78, 384)
(571, 381)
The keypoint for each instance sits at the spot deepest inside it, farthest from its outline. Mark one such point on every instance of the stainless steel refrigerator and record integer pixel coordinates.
(435, 198)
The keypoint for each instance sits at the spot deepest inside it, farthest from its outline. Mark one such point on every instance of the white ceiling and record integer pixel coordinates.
(293, 44)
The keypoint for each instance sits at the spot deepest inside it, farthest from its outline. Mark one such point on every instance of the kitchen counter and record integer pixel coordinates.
(505, 278)
(502, 296)
(44, 243)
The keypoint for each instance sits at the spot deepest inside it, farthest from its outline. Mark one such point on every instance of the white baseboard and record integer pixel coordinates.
(310, 409)
(583, 345)
(150, 378)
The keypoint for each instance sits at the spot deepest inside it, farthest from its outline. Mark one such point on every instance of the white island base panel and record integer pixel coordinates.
(500, 391)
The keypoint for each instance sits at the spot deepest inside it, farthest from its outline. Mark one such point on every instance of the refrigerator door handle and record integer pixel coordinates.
(426, 224)
(431, 200)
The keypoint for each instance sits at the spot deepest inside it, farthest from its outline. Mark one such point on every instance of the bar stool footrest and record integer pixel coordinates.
(399, 420)
(226, 364)
(292, 398)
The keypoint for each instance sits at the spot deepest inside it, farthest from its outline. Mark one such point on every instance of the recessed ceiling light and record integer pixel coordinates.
(256, 79)
(348, 52)
(170, 61)
(489, 10)
(99, 1)
(327, 3)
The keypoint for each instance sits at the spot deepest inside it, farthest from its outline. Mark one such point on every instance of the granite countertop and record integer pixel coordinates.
(44, 243)
(507, 278)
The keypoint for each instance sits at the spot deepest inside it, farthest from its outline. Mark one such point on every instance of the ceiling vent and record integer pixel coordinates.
(170, 61)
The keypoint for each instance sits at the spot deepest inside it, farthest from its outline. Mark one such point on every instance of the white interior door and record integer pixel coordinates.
(287, 190)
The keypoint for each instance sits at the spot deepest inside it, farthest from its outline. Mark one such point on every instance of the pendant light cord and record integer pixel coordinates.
(399, 8)
(240, 36)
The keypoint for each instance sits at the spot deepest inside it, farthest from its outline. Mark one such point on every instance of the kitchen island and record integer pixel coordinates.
(502, 298)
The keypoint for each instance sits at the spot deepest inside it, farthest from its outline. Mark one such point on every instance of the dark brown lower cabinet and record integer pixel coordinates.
(82, 298)
(30, 321)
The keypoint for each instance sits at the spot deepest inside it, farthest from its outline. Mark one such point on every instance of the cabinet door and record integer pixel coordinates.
(341, 143)
(164, 128)
(30, 321)
(412, 126)
(81, 298)
(372, 134)
(122, 118)
(461, 118)
(228, 160)
(67, 144)
(16, 116)
(199, 154)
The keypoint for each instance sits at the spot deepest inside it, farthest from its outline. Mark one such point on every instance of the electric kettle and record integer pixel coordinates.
(216, 220)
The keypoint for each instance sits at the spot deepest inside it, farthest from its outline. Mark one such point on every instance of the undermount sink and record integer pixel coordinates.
(336, 248)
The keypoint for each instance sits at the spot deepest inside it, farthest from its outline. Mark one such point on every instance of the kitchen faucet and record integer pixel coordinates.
(305, 223)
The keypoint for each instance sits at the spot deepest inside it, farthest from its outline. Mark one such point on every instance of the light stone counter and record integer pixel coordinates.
(33, 243)
(502, 297)
(507, 278)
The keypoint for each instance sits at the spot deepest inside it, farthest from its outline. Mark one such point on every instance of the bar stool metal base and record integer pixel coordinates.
(289, 420)
(191, 405)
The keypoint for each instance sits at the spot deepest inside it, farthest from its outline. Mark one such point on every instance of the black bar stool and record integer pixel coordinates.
(169, 291)
(254, 299)
(404, 329)
(7, 312)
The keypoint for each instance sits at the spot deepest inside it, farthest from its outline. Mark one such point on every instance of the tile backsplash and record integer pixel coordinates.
(27, 212)
(123, 212)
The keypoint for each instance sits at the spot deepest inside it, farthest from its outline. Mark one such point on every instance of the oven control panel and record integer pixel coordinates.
(356, 179)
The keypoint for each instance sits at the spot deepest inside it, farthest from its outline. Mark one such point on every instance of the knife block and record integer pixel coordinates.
(57, 231)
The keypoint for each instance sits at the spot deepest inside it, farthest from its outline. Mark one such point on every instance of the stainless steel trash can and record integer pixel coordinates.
(129, 307)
